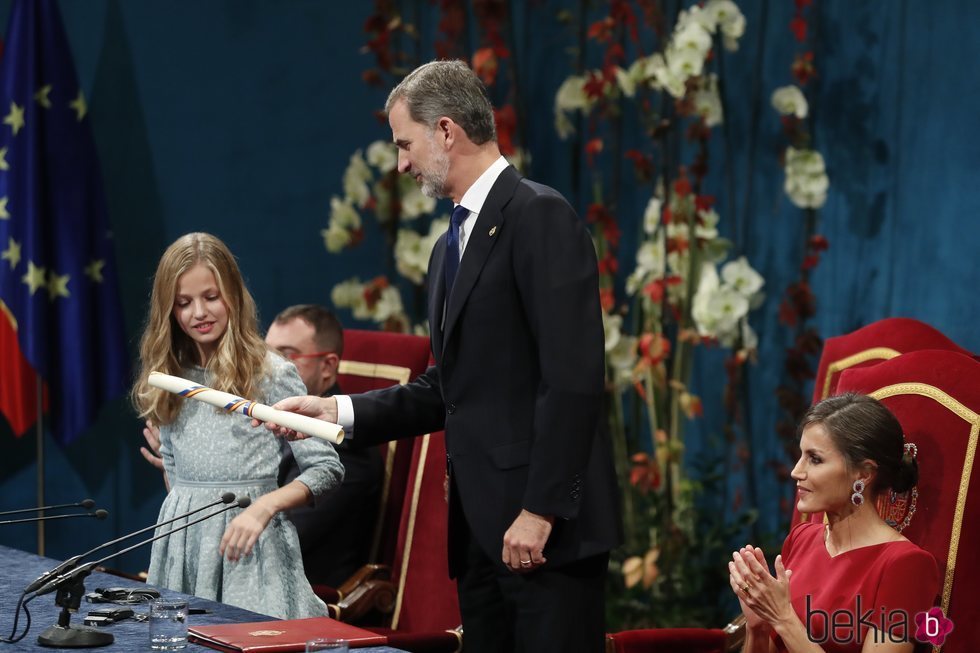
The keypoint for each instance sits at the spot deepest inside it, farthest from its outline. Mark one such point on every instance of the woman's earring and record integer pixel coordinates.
(858, 497)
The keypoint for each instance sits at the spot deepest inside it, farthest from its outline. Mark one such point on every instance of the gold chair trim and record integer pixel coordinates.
(410, 533)
(395, 373)
(399, 375)
(875, 353)
(459, 638)
(973, 419)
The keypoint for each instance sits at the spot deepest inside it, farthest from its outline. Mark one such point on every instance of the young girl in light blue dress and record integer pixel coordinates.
(203, 326)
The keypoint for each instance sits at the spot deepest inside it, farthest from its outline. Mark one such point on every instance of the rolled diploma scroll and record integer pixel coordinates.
(232, 404)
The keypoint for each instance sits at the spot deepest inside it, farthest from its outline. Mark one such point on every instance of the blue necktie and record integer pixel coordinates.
(460, 213)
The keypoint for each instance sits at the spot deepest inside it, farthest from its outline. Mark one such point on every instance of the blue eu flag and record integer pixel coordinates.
(58, 286)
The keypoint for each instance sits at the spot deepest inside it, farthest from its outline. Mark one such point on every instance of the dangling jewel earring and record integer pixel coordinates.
(858, 497)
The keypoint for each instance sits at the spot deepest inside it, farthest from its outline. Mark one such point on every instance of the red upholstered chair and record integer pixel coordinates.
(371, 360)
(377, 359)
(936, 397)
(426, 616)
(872, 344)
(688, 640)
(410, 580)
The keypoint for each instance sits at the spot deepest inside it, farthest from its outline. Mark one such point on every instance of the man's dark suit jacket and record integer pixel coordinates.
(335, 532)
(517, 381)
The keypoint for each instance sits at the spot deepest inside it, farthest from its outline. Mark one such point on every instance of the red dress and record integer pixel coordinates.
(838, 598)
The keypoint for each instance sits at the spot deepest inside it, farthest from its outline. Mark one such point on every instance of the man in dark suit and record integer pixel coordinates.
(335, 531)
(516, 334)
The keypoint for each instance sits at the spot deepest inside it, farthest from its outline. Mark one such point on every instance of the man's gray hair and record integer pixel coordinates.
(451, 89)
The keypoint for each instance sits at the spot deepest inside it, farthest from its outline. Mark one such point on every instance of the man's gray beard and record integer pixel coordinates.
(435, 188)
(434, 182)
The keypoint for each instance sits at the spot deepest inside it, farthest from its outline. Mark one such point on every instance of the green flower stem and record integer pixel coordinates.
(621, 453)
(650, 399)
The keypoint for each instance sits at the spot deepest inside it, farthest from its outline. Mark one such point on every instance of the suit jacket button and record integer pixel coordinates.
(451, 408)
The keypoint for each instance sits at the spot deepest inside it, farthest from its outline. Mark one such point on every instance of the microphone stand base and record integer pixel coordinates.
(73, 637)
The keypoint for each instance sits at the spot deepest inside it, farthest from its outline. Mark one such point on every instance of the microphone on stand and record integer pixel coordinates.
(85, 503)
(98, 514)
(70, 591)
(72, 562)
(86, 569)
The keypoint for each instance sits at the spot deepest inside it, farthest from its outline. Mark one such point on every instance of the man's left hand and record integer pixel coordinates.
(524, 542)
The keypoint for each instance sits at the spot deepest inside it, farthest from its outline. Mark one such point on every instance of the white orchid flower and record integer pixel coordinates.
(708, 227)
(571, 94)
(622, 358)
(708, 285)
(707, 102)
(727, 307)
(650, 257)
(806, 178)
(730, 20)
(663, 77)
(383, 156)
(740, 276)
(408, 246)
(343, 214)
(789, 100)
(347, 293)
(651, 216)
(611, 325)
(388, 305)
(415, 203)
(684, 63)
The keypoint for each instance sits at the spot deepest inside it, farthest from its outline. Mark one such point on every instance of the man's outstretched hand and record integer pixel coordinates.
(324, 408)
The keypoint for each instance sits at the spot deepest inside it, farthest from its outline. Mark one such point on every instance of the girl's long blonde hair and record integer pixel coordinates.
(239, 361)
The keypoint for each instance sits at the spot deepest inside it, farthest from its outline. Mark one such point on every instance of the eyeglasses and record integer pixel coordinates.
(316, 354)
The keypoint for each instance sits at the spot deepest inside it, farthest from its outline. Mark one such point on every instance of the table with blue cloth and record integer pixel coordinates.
(18, 569)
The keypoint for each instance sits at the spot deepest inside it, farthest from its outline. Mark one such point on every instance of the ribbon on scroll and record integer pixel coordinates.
(232, 404)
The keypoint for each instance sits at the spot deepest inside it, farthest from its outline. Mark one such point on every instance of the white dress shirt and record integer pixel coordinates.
(473, 200)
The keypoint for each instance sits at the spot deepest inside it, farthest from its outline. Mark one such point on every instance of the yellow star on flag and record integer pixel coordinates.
(58, 285)
(94, 270)
(4, 215)
(41, 97)
(34, 277)
(12, 253)
(15, 118)
(78, 104)
(3, 159)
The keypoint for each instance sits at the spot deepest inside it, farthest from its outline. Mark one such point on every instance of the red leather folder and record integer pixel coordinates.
(286, 635)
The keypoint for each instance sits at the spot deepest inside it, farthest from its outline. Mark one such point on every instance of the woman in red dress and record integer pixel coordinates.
(853, 584)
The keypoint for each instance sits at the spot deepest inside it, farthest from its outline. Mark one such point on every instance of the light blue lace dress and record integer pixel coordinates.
(206, 453)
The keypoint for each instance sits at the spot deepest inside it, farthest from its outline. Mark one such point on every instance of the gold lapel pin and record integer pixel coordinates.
(493, 230)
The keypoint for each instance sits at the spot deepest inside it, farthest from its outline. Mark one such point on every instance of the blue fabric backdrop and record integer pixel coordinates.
(239, 117)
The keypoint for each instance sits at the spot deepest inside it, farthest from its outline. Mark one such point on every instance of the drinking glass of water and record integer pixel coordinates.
(168, 624)
(326, 645)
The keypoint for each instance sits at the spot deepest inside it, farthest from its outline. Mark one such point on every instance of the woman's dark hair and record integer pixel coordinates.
(863, 429)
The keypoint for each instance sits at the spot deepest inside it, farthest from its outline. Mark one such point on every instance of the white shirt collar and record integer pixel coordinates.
(476, 195)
